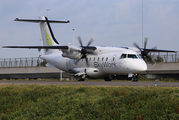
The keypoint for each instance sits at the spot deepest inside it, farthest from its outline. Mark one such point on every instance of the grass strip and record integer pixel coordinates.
(81, 102)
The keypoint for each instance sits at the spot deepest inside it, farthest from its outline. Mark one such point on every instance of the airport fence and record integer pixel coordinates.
(22, 62)
(167, 57)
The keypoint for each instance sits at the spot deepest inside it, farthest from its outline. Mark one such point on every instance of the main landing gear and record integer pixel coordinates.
(81, 78)
(108, 78)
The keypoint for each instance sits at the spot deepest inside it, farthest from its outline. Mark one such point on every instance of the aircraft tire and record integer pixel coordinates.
(80, 79)
(107, 79)
(134, 78)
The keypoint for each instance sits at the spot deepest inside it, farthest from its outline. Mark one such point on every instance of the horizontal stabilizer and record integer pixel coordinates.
(37, 21)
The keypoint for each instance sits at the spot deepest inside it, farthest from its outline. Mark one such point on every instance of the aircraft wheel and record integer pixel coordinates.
(136, 79)
(80, 78)
(107, 79)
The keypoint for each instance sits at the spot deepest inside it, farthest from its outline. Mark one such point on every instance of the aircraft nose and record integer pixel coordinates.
(136, 66)
(142, 66)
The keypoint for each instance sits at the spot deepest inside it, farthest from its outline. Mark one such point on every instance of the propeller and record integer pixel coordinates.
(144, 51)
(83, 51)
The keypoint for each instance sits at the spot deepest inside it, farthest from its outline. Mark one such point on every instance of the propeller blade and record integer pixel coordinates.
(135, 44)
(84, 51)
(145, 43)
(90, 41)
(79, 39)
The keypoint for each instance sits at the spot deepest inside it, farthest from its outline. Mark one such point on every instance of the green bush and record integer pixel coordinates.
(80, 102)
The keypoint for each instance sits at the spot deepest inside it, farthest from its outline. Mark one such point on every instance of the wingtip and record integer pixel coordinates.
(4, 47)
(16, 19)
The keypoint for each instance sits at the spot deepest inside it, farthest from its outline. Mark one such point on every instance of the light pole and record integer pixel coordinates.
(47, 12)
(73, 36)
(142, 24)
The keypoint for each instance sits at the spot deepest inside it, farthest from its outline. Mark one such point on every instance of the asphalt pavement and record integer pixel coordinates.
(93, 83)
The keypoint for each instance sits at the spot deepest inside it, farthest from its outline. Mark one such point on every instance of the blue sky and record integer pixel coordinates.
(110, 23)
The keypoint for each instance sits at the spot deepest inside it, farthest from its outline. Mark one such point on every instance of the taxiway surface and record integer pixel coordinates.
(93, 83)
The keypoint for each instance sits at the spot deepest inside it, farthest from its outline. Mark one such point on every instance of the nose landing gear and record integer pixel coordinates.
(135, 78)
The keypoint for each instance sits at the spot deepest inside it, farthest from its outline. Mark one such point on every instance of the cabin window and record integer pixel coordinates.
(132, 56)
(106, 59)
(94, 59)
(98, 59)
(102, 59)
(113, 58)
(123, 56)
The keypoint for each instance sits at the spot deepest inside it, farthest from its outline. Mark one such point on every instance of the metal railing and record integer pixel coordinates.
(165, 57)
(21, 62)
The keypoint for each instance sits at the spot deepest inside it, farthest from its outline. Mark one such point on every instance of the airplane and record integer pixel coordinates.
(90, 61)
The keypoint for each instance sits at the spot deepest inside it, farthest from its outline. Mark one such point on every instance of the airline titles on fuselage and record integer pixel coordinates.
(105, 65)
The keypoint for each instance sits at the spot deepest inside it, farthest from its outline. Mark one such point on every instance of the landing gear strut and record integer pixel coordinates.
(108, 78)
(81, 78)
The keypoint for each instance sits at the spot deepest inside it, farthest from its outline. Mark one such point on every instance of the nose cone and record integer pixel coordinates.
(136, 65)
(142, 66)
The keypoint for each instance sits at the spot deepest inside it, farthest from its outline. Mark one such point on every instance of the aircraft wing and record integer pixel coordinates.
(68, 51)
(38, 47)
(50, 47)
(148, 50)
(158, 50)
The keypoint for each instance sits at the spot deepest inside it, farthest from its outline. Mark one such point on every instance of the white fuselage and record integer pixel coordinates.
(105, 60)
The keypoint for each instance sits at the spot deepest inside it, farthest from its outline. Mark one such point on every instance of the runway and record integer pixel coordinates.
(93, 83)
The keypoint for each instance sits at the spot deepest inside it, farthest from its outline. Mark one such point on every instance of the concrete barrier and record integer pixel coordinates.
(32, 72)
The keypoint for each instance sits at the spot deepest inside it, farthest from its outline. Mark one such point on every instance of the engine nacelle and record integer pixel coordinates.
(72, 52)
(94, 72)
(73, 55)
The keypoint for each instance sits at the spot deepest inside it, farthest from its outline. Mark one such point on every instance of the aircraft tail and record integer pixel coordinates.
(47, 35)
(46, 32)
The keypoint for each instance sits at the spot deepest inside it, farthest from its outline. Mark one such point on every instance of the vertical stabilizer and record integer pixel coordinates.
(47, 35)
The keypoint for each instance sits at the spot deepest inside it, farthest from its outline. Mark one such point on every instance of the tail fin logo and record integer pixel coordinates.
(48, 39)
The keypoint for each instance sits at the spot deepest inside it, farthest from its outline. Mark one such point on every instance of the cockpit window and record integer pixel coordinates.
(123, 56)
(132, 56)
(139, 56)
